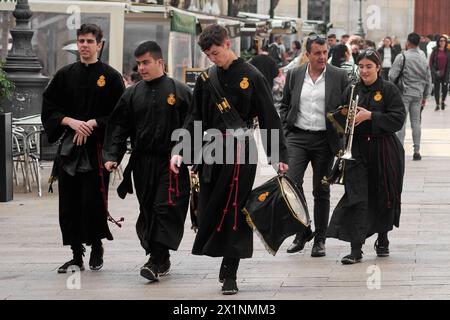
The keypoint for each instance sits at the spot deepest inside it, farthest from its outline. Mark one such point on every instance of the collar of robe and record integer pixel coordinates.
(90, 65)
(156, 80)
(376, 86)
(234, 64)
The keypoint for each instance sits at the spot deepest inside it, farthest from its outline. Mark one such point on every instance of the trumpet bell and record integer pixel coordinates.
(347, 156)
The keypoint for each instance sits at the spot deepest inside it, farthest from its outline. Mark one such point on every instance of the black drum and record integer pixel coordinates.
(277, 210)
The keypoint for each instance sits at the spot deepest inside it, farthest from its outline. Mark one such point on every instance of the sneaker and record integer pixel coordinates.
(229, 286)
(417, 156)
(351, 259)
(164, 268)
(96, 258)
(300, 240)
(150, 271)
(76, 263)
(318, 249)
(381, 250)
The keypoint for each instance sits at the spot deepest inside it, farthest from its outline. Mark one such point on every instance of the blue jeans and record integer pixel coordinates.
(412, 105)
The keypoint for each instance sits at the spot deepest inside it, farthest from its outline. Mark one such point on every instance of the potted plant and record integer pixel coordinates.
(6, 86)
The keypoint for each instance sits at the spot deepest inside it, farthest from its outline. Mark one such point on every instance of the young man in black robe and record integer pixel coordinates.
(78, 101)
(149, 112)
(223, 230)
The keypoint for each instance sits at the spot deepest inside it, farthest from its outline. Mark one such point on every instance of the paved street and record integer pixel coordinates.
(418, 268)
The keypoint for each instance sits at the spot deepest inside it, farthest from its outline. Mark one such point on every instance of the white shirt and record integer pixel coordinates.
(387, 62)
(312, 104)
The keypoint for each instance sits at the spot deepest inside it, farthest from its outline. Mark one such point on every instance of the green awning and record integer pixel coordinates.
(182, 23)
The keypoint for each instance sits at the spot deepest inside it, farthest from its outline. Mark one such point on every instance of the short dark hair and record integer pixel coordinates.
(414, 39)
(331, 36)
(314, 39)
(149, 47)
(87, 28)
(212, 35)
(297, 44)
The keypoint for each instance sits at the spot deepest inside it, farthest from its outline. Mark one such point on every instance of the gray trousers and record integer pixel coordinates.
(412, 105)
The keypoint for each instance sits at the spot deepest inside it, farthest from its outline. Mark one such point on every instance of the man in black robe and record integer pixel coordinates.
(77, 103)
(224, 188)
(149, 112)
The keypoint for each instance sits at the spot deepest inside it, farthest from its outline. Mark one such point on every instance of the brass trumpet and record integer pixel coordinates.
(336, 175)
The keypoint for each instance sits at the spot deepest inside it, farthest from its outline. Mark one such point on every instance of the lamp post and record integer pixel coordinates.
(360, 29)
(23, 67)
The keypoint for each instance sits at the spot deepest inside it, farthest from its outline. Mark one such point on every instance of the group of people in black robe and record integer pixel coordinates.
(88, 110)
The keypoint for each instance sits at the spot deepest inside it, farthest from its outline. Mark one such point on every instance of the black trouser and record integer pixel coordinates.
(159, 253)
(305, 147)
(385, 73)
(437, 90)
(229, 267)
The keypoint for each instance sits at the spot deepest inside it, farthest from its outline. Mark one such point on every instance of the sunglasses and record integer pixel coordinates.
(315, 37)
(89, 41)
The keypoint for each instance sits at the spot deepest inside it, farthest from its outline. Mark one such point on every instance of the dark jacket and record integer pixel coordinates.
(434, 65)
(394, 53)
(336, 80)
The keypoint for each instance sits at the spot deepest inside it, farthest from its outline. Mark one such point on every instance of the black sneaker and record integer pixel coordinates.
(75, 263)
(417, 156)
(150, 271)
(164, 268)
(351, 259)
(229, 286)
(300, 240)
(318, 250)
(96, 258)
(381, 250)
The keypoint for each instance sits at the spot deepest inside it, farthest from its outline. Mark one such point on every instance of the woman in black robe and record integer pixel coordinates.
(224, 188)
(373, 181)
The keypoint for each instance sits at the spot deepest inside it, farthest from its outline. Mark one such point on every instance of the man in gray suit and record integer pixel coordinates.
(310, 92)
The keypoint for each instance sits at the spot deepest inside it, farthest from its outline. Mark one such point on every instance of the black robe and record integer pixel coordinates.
(148, 112)
(374, 180)
(251, 97)
(82, 92)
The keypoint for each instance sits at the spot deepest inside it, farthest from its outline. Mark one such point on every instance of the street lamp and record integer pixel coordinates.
(360, 29)
(23, 67)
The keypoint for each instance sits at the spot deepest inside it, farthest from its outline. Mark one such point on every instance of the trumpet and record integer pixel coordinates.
(337, 173)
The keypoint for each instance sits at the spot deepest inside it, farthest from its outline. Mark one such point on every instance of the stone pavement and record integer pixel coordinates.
(418, 268)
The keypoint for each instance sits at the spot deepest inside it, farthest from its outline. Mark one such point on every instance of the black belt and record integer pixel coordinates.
(309, 131)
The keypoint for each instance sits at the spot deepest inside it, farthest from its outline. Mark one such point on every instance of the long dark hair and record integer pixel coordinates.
(338, 55)
(438, 43)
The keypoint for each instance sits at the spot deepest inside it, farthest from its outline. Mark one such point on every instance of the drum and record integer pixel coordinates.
(277, 210)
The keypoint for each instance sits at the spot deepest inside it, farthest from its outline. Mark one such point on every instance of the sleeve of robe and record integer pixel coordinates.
(262, 104)
(193, 114)
(53, 108)
(393, 118)
(115, 92)
(118, 129)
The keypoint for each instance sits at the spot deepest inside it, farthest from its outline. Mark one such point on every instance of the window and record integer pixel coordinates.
(319, 10)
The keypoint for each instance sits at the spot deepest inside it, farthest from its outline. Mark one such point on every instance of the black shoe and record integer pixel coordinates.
(299, 242)
(318, 249)
(417, 156)
(351, 259)
(96, 258)
(443, 106)
(229, 286)
(437, 108)
(164, 268)
(150, 271)
(381, 250)
(76, 263)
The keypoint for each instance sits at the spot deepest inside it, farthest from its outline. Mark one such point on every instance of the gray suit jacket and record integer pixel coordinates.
(336, 80)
